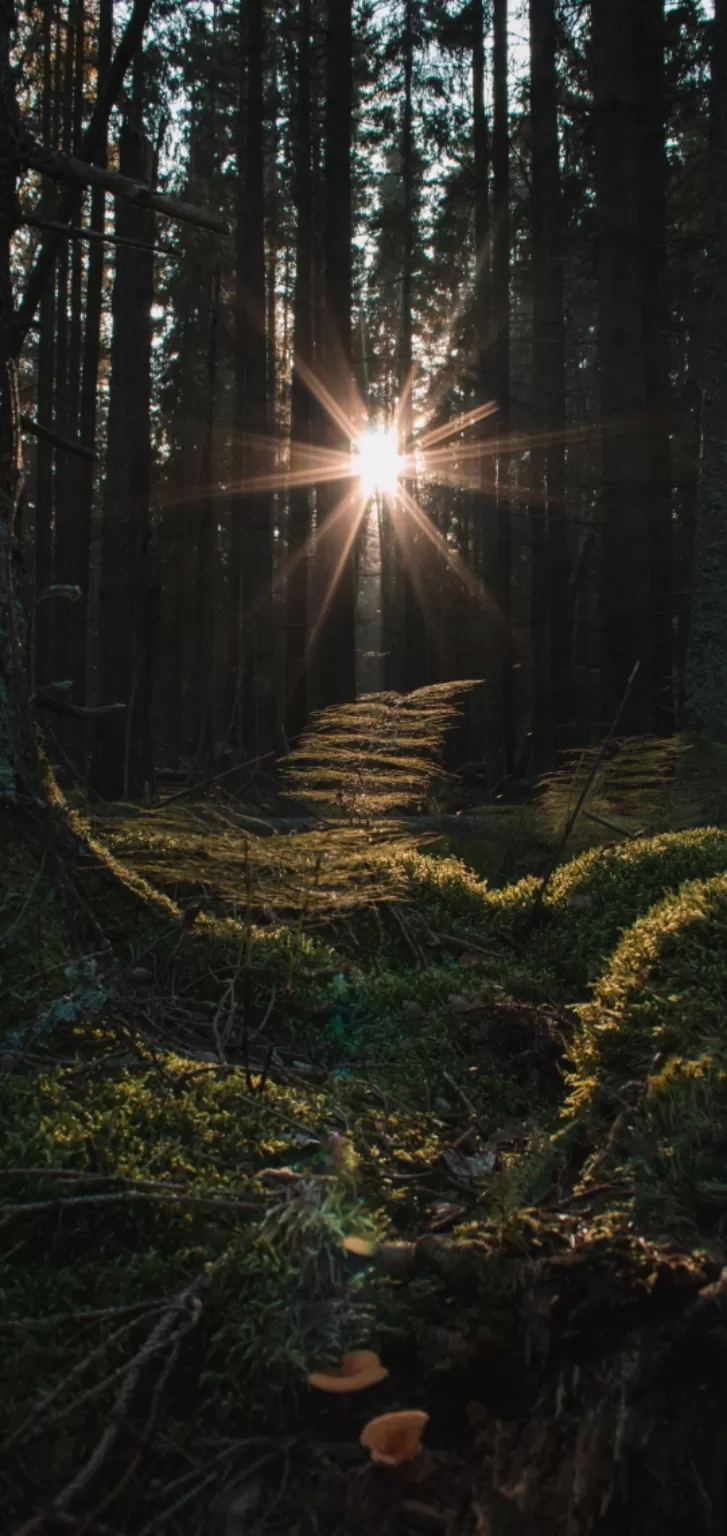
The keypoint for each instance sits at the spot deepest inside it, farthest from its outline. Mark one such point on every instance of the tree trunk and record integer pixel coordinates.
(16, 743)
(706, 681)
(62, 563)
(123, 757)
(204, 623)
(335, 620)
(552, 607)
(251, 626)
(649, 42)
(46, 379)
(72, 528)
(412, 544)
(620, 265)
(501, 307)
(484, 552)
(299, 508)
(86, 474)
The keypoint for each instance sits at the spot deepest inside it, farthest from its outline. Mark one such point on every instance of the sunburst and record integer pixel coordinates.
(370, 464)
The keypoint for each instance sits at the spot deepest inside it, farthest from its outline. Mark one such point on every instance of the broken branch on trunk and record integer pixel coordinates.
(100, 236)
(60, 706)
(62, 167)
(92, 141)
(46, 436)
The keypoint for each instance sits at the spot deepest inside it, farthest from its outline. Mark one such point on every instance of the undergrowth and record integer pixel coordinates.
(352, 1036)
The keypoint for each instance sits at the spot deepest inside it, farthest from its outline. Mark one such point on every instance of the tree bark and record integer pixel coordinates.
(501, 307)
(299, 504)
(649, 46)
(41, 662)
(552, 606)
(335, 620)
(620, 278)
(123, 755)
(86, 478)
(251, 661)
(706, 679)
(16, 746)
(412, 544)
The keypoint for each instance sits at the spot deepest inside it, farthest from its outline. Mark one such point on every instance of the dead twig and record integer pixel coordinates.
(122, 1197)
(464, 944)
(42, 1407)
(152, 1418)
(460, 1094)
(580, 802)
(407, 935)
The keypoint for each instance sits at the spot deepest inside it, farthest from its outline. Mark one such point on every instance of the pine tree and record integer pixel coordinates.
(552, 615)
(123, 755)
(335, 622)
(299, 505)
(706, 701)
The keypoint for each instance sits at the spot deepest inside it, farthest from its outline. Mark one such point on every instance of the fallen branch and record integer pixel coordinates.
(464, 944)
(132, 1375)
(40, 1409)
(122, 1197)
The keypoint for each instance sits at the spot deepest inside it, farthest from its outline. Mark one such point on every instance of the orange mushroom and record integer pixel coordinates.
(395, 1438)
(361, 1368)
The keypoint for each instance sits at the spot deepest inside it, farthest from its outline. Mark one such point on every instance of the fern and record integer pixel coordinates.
(630, 790)
(360, 763)
(378, 756)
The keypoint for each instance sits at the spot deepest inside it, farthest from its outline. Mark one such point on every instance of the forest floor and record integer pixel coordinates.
(266, 1100)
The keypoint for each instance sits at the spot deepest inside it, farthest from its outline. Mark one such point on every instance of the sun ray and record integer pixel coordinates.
(459, 423)
(330, 404)
(352, 501)
(454, 560)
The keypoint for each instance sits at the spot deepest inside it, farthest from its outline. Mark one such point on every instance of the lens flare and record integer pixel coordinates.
(377, 461)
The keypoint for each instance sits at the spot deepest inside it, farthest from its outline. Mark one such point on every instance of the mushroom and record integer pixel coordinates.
(395, 1438)
(358, 1369)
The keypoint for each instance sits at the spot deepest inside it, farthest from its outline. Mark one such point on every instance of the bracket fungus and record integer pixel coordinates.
(395, 1438)
(358, 1369)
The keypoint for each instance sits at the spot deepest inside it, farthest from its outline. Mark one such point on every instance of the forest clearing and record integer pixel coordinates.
(363, 767)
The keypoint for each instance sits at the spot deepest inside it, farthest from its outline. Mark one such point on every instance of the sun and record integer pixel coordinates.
(377, 461)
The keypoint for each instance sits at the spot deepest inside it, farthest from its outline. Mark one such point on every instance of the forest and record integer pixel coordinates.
(363, 767)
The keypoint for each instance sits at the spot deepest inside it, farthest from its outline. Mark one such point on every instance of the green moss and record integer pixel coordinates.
(595, 898)
(589, 903)
(665, 991)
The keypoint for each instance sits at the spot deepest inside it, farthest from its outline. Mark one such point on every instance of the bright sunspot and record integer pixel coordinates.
(377, 461)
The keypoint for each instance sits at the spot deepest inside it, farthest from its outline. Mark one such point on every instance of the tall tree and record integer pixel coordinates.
(46, 377)
(299, 505)
(123, 755)
(649, 66)
(501, 308)
(411, 672)
(706, 683)
(85, 479)
(335, 622)
(552, 607)
(252, 659)
(620, 277)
